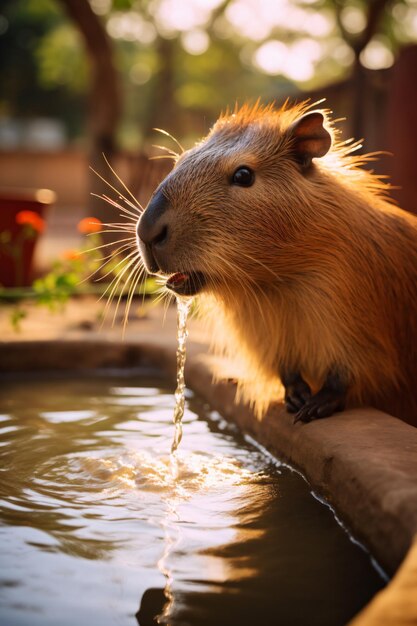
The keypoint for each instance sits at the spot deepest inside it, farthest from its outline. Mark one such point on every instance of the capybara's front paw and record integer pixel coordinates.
(297, 393)
(322, 404)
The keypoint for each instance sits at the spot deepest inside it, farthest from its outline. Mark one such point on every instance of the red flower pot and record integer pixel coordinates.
(21, 222)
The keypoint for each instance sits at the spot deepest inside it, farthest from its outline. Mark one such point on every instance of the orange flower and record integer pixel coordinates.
(89, 225)
(32, 219)
(71, 255)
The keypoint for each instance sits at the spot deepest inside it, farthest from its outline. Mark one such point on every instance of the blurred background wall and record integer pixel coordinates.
(79, 78)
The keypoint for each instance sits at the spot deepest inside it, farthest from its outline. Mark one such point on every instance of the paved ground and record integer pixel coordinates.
(84, 315)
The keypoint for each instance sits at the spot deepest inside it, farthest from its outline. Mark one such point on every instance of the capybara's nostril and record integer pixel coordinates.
(161, 237)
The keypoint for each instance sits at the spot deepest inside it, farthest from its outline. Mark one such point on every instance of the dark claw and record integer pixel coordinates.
(297, 393)
(291, 406)
(323, 404)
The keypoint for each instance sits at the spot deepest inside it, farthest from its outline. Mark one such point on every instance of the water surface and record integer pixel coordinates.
(96, 530)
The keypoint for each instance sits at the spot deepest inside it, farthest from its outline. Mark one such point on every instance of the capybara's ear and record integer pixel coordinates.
(310, 138)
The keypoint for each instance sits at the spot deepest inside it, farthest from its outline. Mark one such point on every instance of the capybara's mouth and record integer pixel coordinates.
(186, 284)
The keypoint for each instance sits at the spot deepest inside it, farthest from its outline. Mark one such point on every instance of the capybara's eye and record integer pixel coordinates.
(244, 177)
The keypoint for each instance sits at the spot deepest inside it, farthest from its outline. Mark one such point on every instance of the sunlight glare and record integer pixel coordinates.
(100, 7)
(179, 16)
(318, 24)
(130, 26)
(296, 62)
(405, 22)
(377, 55)
(146, 471)
(353, 19)
(195, 41)
(243, 17)
(208, 4)
(340, 52)
(256, 19)
(270, 57)
(140, 74)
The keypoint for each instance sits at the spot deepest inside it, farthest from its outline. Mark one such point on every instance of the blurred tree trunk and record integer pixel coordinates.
(374, 11)
(104, 99)
(162, 109)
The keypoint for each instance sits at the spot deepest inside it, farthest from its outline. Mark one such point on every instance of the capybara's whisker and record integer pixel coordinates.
(135, 280)
(111, 243)
(105, 261)
(135, 200)
(124, 226)
(171, 152)
(127, 214)
(135, 206)
(111, 289)
(134, 271)
(164, 132)
(114, 268)
(162, 156)
(116, 230)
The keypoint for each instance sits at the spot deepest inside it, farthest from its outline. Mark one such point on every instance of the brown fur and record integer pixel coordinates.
(307, 271)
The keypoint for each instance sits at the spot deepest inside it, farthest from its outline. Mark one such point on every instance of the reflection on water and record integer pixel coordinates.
(97, 530)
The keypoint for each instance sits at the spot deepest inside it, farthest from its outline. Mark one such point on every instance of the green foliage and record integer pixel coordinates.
(39, 10)
(122, 5)
(56, 287)
(26, 89)
(61, 60)
(16, 317)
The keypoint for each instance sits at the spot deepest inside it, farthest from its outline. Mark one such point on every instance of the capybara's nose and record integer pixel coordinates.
(153, 226)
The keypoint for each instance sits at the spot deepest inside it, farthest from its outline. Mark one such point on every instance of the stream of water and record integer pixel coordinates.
(183, 309)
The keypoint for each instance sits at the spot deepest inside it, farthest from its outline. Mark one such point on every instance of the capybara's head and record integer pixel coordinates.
(234, 199)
